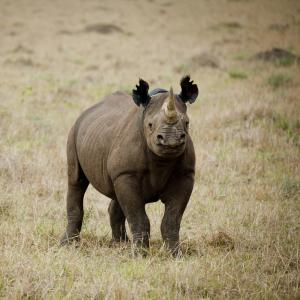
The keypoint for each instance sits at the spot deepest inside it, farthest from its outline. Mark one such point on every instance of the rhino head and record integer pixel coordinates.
(165, 120)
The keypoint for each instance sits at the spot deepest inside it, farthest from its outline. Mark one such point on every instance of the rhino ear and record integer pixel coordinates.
(140, 95)
(189, 90)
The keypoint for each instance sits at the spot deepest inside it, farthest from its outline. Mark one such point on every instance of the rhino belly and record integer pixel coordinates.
(93, 150)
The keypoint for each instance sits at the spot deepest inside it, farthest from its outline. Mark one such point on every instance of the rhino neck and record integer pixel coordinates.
(140, 125)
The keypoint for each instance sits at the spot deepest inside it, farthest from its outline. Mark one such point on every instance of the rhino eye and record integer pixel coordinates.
(150, 126)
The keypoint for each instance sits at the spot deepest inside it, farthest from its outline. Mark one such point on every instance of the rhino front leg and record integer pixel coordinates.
(170, 227)
(176, 199)
(117, 221)
(129, 197)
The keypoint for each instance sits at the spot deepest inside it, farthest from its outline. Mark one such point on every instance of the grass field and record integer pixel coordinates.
(241, 230)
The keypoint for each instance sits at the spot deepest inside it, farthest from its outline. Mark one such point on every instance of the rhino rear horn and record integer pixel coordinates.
(189, 90)
(140, 95)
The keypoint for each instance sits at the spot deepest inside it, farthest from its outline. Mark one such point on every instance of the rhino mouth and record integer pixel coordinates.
(170, 141)
(170, 150)
(171, 147)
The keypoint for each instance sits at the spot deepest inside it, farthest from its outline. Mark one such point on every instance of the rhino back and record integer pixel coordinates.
(98, 131)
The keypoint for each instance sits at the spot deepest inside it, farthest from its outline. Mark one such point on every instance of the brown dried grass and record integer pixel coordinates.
(240, 232)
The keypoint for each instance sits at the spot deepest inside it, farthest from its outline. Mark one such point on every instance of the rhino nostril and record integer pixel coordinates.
(182, 136)
(160, 139)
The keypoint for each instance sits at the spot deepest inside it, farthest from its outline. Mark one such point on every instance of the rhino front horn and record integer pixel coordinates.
(170, 109)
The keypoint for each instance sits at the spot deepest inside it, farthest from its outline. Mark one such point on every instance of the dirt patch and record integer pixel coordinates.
(102, 8)
(18, 24)
(231, 25)
(66, 32)
(226, 41)
(205, 59)
(12, 33)
(21, 49)
(92, 68)
(276, 54)
(167, 4)
(25, 62)
(279, 27)
(103, 28)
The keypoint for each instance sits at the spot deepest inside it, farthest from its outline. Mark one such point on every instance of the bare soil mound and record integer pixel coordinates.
(276, 54)
(103, 28)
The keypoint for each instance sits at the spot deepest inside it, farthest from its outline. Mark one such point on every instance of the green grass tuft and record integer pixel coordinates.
(237, 75)
(286, 61)
(278, 80)
(290, 188)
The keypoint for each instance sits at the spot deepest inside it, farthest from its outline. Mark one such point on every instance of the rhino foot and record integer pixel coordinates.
(68, 239)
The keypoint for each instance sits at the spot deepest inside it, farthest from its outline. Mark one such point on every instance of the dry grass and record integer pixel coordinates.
(240, 233)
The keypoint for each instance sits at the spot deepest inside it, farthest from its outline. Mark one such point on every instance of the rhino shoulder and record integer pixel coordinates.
(188, 161)
(127, 153)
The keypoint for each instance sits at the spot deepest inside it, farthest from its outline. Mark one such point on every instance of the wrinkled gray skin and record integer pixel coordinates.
(132, 155)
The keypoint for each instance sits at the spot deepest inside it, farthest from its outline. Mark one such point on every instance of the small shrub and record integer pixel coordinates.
(5, 209)
(221, 239)
(290, 188)
(286, 61)
(238, 75)
(278, 80)
(292, 128)
(241, 56)
(231, 25)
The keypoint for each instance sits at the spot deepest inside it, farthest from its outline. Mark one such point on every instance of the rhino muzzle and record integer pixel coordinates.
(170, 136)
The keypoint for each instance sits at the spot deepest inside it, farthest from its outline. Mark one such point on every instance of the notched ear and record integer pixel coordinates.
(140, 95)
(189, 90)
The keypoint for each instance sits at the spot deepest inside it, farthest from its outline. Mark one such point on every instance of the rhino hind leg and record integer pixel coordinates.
(77, 185)
(117, 222)
(74, 211)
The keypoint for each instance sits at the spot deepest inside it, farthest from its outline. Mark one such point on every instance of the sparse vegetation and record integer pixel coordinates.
(278, 80)
(292, 128)
(237, 75)
(231, 25)
(240, 232)
(241, 56)
(286, 61)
